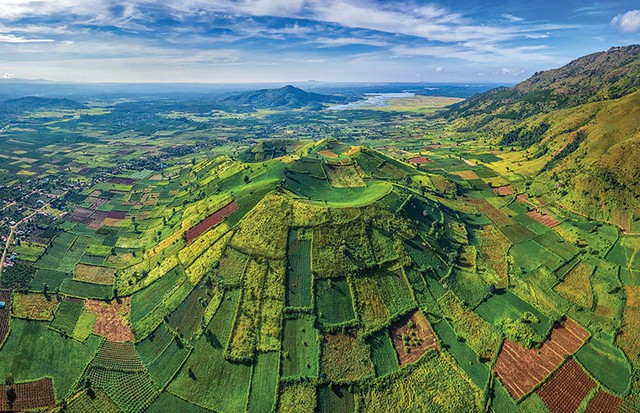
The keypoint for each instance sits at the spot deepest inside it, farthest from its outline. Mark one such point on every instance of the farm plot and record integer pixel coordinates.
(492, 250)
(31, 395)
(395, 292)
(264, 382)
(81, 289)
(95, 274)
(187, 317)
(341, 249)
(168, 402)
(207, 378)
(566, 389)
(5, 315)
(544, 219)
(629, 337)
(335, 399)
(299, 279)
(576, 286)
(212, 220)
(333, 301)
(300, 348)
(145, 300)
(118, 370)
(603, 402)
(52, 278)
(34, 306)
(344, 358)
(100, 402)
(412, 337)
(343, 176)
(67, 315)
(494, 214)
(503, 190)
(165, 366)
(529, 255)
(383, 354)
(517, 233)
(520, 370)
(112, 321)
(231, 268)
(606, 363)
(369, 303)
(297, 397)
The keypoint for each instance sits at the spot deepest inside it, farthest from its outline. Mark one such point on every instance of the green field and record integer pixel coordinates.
(300, 348)
(600, 359)
(264, 382)
(333, 301)
(299, 279)
(383, 354)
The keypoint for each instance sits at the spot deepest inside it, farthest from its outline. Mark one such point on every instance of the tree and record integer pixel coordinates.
(9, 379)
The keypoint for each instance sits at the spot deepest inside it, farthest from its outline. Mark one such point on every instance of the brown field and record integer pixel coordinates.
(604, 402)
(547, 220)
(112, 321)
(420, 335)
(97, 219)
(80, 215)
(522, 198)
(327, 154)
(34, 306)
(468, 175)
(564, 392)
(576, 286)
(628, 339)
(117, 214)
(520, 370)
(632, 293)
(95, 201)
(503, 190)
(622, 218)
(95, 274)
(5, 315)
(32, 395)
(122, 181)
(210, 221)
(494, 214)
(418, 160)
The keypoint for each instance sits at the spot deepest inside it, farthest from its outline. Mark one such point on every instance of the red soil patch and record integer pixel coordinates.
(543, 219)
(5, 314)
(564, 392)
(112, 321)
(80, 214)
(418, 160)
(421, 334)
(327, 154)
(117, 214)
(32, 395)
(97, 219)
(522, 198)
(122, 181)
(212, 220)
(604, 402)
(520, 370)
(503, 190)
(95, 202)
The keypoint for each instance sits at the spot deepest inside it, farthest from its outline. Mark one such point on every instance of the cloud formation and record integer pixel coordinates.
(628, 22)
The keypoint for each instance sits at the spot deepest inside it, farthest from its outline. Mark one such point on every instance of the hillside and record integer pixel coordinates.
(578, 128)
(596, 77)
(34, 103)
(287, 97)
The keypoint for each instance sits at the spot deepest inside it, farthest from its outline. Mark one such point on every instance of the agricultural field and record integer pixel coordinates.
(249, 261)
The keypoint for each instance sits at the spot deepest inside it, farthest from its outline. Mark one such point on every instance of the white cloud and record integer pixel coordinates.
(512, 18)
(438, 69)
(512, 71)
(628, 22)
(9, 76)
(10, 38)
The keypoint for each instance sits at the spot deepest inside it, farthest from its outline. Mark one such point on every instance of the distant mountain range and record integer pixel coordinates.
(34, 103)
(287, 97)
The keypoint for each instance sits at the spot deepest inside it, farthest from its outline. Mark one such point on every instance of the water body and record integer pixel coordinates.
(372, 100)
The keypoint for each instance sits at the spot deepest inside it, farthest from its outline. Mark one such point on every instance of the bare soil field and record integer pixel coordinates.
(412, 337)
(564, 392)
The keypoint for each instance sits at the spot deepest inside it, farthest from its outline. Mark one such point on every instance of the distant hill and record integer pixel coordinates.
(592, 78)
(287, 97)
(34, 103)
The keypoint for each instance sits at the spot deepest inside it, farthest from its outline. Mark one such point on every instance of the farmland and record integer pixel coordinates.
(222, 265)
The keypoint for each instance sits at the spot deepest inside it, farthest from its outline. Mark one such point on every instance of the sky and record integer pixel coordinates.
(234, 41)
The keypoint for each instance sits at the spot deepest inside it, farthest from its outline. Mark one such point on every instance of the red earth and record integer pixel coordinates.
(522, 198)
(564, 392)
(418, 160)
(604, 402)
(521, 370)
(503, 190)
(212, 220)
(32, 395)
(112, 321)
(543, 219)
(421, 331)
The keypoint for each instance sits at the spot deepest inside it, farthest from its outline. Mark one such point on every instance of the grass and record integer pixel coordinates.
(300, 348)
(165, 366)
(299, 279)
(168, 402)
(529, 255)
(52, 278)
(84, 326)
(505, 304)
(297, 398)
(607, 364)
(333, 301)
(33, 351)
(264, 382)
(86, 290)
(216, 383)
(145, 300)
(576, 286)
(67, 316)
(335, 399)
(395, 292)
(383, 355)
(423, 388)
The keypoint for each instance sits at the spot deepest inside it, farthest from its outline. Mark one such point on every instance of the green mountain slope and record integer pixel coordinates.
(287, 97)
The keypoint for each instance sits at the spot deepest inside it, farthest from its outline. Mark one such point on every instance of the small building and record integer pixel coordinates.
(2, 305)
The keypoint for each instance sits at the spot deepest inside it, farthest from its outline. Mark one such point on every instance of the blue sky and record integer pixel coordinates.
(296, 40)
